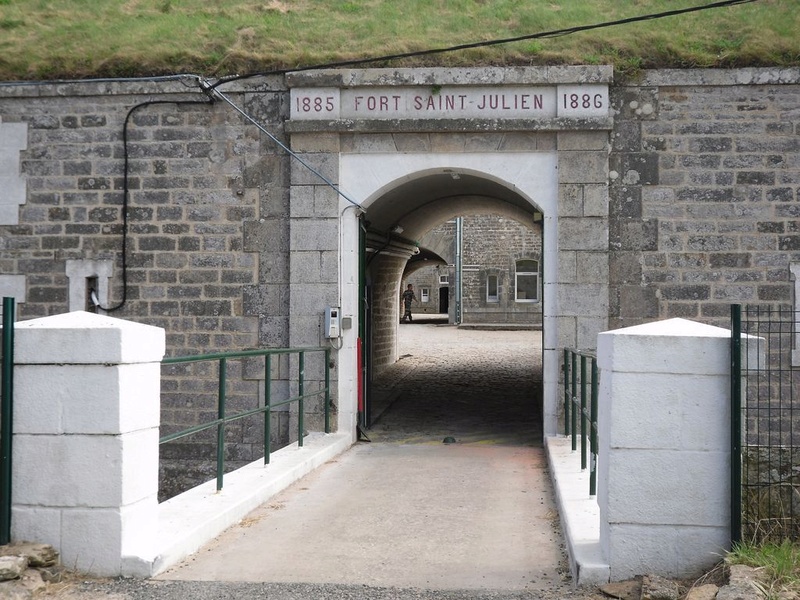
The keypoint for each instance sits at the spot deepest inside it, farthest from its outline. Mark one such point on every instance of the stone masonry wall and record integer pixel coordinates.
(441, 241)
(385, 310)
(583, 240)
(704, 193)
(706, 173)
(207, 257)
(492, 245)
(696, 206)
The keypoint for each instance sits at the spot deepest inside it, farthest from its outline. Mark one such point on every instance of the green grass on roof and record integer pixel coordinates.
(65, 39)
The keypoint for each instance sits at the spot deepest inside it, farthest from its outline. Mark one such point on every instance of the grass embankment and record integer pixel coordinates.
(60, 39)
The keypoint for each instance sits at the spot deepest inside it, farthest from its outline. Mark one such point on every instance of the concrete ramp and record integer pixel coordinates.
(407, 510)
(395, 515)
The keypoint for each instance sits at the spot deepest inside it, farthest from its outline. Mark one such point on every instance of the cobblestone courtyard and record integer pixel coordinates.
(478, 386)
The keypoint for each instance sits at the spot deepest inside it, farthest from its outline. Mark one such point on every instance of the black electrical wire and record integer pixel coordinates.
(206, 88)
(216, 93)
(211, 89)
(495, 42)
(126, 190)
(151, 79)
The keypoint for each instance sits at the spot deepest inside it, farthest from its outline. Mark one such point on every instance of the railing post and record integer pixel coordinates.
(223, 369)
(593, 432)
(566, 392)
(583, 412)
(267, 409)
(6, 420)
(736, 423)
(301, 403)
(574, 401)
(583, 398)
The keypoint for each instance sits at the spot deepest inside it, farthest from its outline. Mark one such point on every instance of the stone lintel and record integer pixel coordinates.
(450, 125)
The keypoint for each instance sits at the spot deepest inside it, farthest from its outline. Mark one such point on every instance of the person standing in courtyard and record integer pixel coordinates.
(408, 297)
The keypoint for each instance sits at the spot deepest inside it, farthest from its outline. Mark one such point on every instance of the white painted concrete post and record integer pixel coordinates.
(664, 463)
(86, 418)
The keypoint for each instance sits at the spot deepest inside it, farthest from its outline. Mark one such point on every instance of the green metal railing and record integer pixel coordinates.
(580, 404)
(223, 418)
(6, 418)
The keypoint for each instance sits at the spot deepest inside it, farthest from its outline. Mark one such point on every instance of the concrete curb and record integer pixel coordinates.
(579, 512)
(192, 519)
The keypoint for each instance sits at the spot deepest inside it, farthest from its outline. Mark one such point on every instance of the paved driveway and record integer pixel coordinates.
(407, 510)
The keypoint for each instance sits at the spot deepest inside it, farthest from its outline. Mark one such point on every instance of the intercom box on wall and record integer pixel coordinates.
(332, 322)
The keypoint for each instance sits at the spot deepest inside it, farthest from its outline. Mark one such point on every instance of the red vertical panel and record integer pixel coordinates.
(360, 375)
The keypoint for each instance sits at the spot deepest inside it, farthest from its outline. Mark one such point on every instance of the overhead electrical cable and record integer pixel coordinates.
(211, 93)
(495, 42)
(152, 79)
(216, 93)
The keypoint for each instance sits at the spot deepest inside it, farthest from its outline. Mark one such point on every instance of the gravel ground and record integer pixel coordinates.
(132, 589)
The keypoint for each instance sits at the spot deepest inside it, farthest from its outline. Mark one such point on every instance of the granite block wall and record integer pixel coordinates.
(205, 252)
(703, 193)
(695, 207)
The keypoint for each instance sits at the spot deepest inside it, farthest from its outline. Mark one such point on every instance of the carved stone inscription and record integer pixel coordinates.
(453, 102)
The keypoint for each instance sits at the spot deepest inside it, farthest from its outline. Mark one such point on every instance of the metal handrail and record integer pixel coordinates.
(580, 401)
(223, 418)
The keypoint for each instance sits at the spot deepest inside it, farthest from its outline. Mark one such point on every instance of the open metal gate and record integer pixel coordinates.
(765, 383)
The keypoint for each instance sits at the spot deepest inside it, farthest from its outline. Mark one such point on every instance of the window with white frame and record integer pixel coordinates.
(526, 280)
(492, 289)
(444, 279)
(424, 294)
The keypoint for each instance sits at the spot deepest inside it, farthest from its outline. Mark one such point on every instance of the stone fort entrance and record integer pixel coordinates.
(409, 149)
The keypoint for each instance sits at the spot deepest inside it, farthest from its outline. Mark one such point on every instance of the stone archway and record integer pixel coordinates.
(394, 178)
(554, 161)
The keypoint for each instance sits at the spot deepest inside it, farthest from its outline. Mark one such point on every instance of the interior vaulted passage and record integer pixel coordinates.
(419, 192)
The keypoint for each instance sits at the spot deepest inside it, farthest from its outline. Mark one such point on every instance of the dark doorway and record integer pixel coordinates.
(444, 299)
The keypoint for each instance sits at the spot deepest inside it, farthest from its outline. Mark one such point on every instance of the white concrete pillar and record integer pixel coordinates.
(664, 460)
(85, 455)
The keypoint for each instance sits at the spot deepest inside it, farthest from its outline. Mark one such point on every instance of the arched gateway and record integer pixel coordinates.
(408, 149)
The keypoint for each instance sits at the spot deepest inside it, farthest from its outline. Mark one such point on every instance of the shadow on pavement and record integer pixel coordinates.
(475, 386)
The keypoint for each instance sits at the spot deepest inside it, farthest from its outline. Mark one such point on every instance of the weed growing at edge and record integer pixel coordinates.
(779, 563)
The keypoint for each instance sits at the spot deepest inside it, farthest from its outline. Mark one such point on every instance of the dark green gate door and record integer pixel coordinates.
(765, 424)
